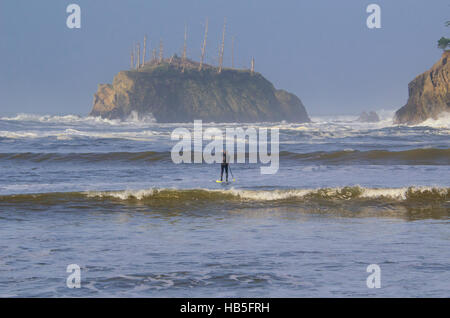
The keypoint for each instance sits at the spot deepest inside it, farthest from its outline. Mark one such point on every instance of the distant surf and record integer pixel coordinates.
(386, 120)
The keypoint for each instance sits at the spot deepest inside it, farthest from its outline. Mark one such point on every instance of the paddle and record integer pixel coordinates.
(229, 167)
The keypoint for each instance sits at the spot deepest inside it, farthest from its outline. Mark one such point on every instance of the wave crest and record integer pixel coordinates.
(341, 193)
(421, 156)
(410, 203)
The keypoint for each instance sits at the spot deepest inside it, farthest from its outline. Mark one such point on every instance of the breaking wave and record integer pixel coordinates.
(87, 157)
(421, 156)
(69, 134)
(386, 120)
(344, 193)
(172, 195)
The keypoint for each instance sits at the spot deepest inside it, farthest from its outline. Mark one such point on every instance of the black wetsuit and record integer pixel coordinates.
(224, 166)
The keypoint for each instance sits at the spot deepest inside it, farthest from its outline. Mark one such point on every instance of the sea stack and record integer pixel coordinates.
(179, 90)
(368, 117)
(429, 94)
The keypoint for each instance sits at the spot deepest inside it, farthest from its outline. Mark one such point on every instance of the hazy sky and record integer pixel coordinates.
(321, 50)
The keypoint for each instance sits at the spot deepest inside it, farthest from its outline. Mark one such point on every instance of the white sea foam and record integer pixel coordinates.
(269, 195)
(393, 193)
(321, 129)
(133, 118)
(18, 134)
(69, 134)
(123, 195)
(442, 122)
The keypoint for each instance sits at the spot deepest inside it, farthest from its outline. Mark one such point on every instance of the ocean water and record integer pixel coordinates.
(106, 195)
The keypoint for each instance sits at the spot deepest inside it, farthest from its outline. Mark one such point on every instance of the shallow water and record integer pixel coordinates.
(106, 195)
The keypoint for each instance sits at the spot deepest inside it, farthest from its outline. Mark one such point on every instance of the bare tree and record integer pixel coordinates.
(134, 55)
(232, 52)
(222, 47)
(252, 70)
(204, 46)
(132, 59)
(138, 65)
(184, 47)
(145, 49)
(161, 51)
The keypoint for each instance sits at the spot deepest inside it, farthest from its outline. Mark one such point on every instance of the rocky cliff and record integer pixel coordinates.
(429, 94)
(173, 91)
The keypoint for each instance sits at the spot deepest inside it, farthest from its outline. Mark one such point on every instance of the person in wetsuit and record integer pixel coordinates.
(224, 166)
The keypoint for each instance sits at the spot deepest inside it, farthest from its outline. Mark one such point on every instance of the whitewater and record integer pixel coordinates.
(106, 195)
